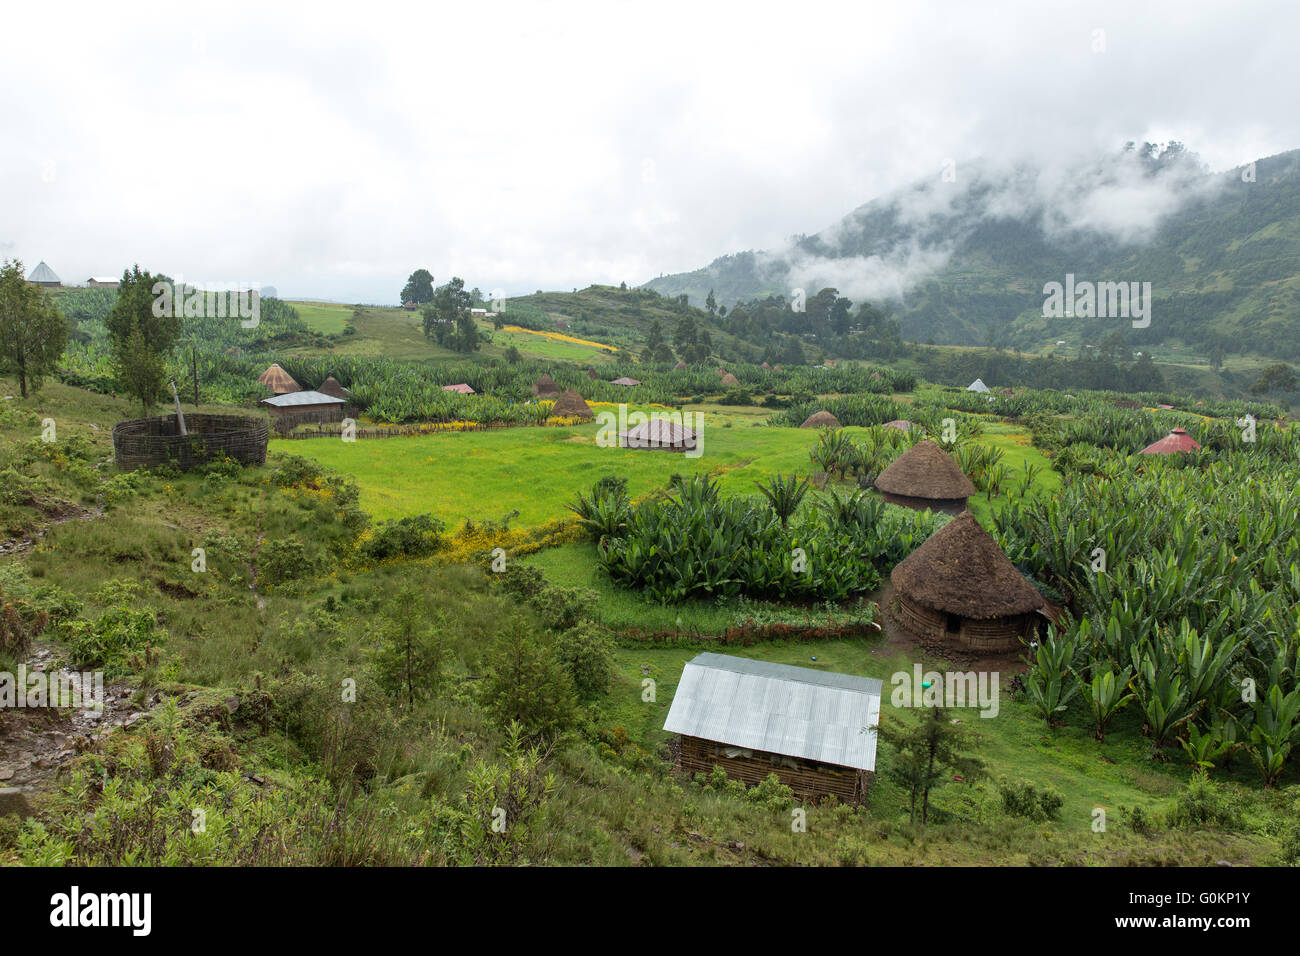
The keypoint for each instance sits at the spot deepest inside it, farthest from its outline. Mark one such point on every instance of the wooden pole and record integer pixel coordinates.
(194, 369)
(180, 417)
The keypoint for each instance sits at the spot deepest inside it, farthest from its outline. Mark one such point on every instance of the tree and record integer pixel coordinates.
(33, 332)
(513, 355)
(711, 304)
(926, 754)
(1275, 378)
(142, 331)
(419, 287)
(526, 683)
(410, 654)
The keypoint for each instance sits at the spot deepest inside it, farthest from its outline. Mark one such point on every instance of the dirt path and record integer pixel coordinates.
(36, 742)
(23, 545)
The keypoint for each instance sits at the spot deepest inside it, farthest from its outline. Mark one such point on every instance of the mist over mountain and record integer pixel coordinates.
(962, 257)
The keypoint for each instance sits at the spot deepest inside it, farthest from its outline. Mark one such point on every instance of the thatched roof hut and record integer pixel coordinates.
(460, 388)
(720, 372)
(592, 373)
(661, 434)
(1175, 442)
(278, 380)
(679, 366)
(571, 405)
(331, 386)
(960, 587)
(545, 387)
(925, 476)
(730, 379)
(765, 367)
(821, 419)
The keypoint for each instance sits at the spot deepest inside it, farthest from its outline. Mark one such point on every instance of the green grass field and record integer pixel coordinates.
(327, 318)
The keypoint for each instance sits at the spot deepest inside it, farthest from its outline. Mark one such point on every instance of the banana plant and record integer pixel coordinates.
(1107, 695)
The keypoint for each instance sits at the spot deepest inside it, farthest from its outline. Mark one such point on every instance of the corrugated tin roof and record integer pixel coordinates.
(776, 708)
(42, 273)
(294, 399)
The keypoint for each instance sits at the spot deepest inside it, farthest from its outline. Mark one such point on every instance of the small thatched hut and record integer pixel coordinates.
(821, 419)
(960, 587)
(332, 387)
(902, 424)
(765, 367)
(679, 366)
(720, 372)
(925, 476)
(592, 373)
(730, 379)
(659, 434)
(571, 405)
(545, 387)
(1172, 444)
(278, 380)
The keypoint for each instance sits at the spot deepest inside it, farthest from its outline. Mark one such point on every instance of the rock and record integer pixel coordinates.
(232, 704)
(6, 773)
(13, 802)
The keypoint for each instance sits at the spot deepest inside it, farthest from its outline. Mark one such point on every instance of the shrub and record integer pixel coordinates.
(409, 537)
(1202, 803)
(1024, 799)
(588, 655)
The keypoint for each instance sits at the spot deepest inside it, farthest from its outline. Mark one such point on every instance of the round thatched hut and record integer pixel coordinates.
(679, 366)
(278, 380)
(332, 388)
(730, 379)
(821, 419)
(960, 587)
(545, 387)
(925, 476)
(571, 405)
(149, 442)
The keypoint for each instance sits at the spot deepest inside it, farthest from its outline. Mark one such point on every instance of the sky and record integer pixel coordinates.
(329, 150)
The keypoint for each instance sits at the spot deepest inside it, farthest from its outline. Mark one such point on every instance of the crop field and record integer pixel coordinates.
(327, 318)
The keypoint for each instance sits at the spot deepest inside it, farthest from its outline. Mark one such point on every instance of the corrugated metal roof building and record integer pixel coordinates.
(815, 730)
(305, 408)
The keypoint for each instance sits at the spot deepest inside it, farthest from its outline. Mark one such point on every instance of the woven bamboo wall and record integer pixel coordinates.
(808, 780)
(150, 442)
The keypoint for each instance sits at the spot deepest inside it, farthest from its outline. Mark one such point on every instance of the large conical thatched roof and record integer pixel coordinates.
(730, 379)
(546, 387)
(571, 405)
(925, 471)
(822, 419)
(961, 570)
(332, 387)
(278, 380)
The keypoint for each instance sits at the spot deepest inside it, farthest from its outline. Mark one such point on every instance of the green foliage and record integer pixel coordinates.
(120, 640)
(925, 754)
(527, 684)
(410, 537)
(587, 653)
(33, 333)
(1025, 799)
(1203, 804)
(141, 339)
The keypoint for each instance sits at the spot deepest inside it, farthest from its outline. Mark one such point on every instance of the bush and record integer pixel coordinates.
(410, 537)
(1023, 799)
(588, 655)
(1203, 803)
(121, 639)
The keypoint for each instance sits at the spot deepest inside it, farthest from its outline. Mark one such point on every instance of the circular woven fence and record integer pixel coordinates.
(150, 442)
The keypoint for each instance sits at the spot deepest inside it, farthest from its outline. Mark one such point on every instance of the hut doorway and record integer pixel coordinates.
(952, 623)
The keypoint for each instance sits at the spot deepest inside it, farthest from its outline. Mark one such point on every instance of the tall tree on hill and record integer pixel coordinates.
(1275, 378)
(418, 288)
(448, 318)
(142, 332)
(711, 304)
(33, 332)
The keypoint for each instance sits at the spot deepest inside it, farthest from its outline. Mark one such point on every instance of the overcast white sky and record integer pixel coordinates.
(328, 150)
